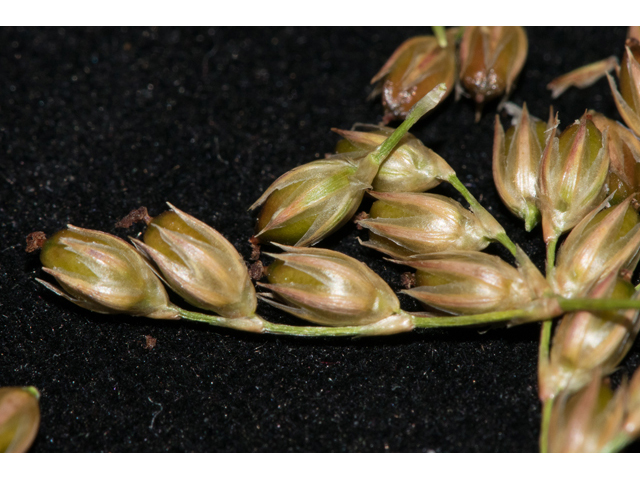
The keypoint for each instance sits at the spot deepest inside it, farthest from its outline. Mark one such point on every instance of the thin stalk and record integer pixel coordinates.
(428, 102)
(551, 255)
(466, 320)
(501, 237)
(618, 443)
(543, 355)
(258, 324)
(546, 421)
(441, 36)
(597, 304)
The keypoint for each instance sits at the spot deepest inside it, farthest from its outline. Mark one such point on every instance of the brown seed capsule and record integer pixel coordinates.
(605, 241)
(628, 98)
(516, 165)
(490, 60)
(199, 264)
(585, 342)
(103, 273)
(586, 422)
(624, 155)
(411, 166)
(19, 418)
(414, 69)
(330, 288)
(405, 224)
(572, 178)
(473, 282)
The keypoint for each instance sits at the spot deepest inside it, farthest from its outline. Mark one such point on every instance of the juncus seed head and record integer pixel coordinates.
(585, 422)
(516, 165)
(572, 177)
(405, 224)
(19, 418)
(103, 273)
(624, 157)
(473, 282)
(328, 288)
(605, 241)
(199, 264)
(415, 68)
(628, 97)
(585, 342)
(490, 60)
(411, 166)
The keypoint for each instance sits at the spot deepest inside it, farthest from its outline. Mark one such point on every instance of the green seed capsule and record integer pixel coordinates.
(199, 264)
(103, 273)
(19, 418)
(572, 178)
(329, 288)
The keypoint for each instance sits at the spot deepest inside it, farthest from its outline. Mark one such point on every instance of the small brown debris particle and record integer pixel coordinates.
(358, 217)
(408, 280)
(255, 249)
(150, 342)
(35, 240)
(134, 216)
(256, 270)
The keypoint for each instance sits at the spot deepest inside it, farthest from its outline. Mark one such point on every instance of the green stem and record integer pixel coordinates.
(543, 355)
(546, 422)
(441, 36)
(618, 443)
(257, 324)
(428, 102)
(597, 304)
(551, 255)
(486, 218)
(466, 320)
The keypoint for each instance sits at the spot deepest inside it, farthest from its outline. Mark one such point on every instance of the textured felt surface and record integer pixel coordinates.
(95, 122)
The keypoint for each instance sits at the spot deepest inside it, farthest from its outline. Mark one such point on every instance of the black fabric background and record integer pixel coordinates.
(95, 122)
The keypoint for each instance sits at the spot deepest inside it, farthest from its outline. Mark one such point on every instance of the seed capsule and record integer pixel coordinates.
(572, 178)
(414, 69)
(405, 224)
(102, 273)
(307, 204)
(473, 282)
(411, 166)
(585, 342)
(330, 288)
(19, 418)
(490, 60)
(605, 241)
(587, 421)
(628, 98)
(516, 165)
(199, 264)
(624, 155)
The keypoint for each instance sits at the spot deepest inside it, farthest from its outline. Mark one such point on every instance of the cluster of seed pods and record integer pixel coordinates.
(581, 181)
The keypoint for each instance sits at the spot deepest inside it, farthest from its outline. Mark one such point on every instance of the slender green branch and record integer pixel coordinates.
(441, 36)
(543, 356)
(483, 214)
(259, 325)
(428, 102)
(551, 255)
(546, 422)
(597, 304)
(618, 443)
(466, 320)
